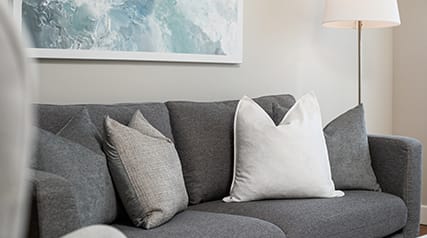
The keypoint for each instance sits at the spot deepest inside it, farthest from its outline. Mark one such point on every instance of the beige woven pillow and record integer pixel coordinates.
(146, 171)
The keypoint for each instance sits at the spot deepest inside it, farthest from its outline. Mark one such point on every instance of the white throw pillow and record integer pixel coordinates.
(285, 161)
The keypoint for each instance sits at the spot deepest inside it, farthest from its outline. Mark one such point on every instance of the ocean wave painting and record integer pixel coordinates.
(183, 29)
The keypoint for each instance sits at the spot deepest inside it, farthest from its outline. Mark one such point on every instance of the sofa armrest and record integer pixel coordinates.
(54, 212)
(397, 164)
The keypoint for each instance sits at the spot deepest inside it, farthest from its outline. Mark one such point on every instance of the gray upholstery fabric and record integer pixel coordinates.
(397, 164)
(54, 117)
(55, 206)
(194, 224)
(358, 214)
(348, 149)
(396, 235)
(86, 171)
(16, 115)
(146, 170)
(279, 112)
(80, 129)
(204, 139)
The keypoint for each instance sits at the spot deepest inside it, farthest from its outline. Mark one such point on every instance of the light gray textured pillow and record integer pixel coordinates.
(147, 171)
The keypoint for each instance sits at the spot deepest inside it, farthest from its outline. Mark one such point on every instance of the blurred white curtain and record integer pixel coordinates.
(15, 126)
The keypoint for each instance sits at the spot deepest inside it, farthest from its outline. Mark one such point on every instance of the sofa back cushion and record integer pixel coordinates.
(203, 135)
(53, 117)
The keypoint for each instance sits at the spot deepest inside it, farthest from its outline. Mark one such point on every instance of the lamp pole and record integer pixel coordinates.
(359, 44)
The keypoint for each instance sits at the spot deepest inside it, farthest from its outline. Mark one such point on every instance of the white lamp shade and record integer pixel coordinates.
(372, 13)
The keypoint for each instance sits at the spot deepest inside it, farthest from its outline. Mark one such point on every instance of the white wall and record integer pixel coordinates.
(285, 51)
(410, 81)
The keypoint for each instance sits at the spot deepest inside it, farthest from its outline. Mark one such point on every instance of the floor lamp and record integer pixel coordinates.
(358, 14)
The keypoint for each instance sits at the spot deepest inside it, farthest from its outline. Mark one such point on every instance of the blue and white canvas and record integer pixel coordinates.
(171, 30)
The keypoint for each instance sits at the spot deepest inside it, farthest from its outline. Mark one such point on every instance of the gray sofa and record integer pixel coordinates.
(197, 130)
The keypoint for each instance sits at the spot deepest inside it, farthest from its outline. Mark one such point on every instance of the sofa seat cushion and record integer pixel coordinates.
(196, 224)
(361, 214)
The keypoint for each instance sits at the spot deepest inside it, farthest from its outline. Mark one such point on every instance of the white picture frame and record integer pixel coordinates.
(236, 57)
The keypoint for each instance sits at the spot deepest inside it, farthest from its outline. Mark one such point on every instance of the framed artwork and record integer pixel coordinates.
(148, 30)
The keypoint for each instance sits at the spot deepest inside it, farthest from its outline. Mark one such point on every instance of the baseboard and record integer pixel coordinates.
(423, 215)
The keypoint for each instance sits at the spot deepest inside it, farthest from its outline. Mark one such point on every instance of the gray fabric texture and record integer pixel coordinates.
(81, 130)
(204, 139)
(358, 214)
(195, 224)
(54, 117)
(56, 207)
(348, 149)
(87, 172)
(397, 164)
(146, 170)
(396, 235)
